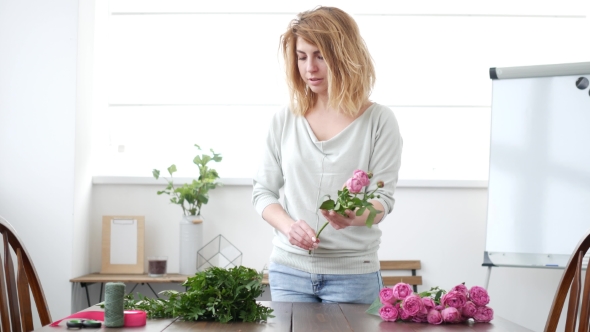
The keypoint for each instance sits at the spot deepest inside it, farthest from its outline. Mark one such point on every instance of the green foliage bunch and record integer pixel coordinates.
(215, 294)
(195, 194)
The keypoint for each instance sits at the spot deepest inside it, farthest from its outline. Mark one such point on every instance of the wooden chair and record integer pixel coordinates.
(15, 289)
(413, 280)
(571, 280)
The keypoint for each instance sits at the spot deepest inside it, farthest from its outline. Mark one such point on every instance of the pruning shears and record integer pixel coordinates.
(83, 323)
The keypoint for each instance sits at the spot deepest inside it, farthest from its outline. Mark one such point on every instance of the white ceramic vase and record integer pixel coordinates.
(191, 240)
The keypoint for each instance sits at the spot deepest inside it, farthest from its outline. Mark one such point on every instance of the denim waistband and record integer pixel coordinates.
(366, 263)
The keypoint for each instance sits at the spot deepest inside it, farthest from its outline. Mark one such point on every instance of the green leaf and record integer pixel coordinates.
(156, 174)
(438, 296)
(205, 159)
(360, 211)
(203, 198)
(375, 307)
(370, 219)
(327, 205)
(172, 169)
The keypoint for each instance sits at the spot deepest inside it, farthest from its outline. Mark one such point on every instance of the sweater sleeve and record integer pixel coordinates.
(386, 158)
(268, 180)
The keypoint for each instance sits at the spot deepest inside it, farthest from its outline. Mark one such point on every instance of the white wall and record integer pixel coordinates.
(44, 185)
(443, 227)
(83, 141)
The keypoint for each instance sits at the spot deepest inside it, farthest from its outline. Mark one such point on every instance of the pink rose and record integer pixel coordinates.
(362, 177)
(469, 309)
(484, 314)
(434, 317)
(354, 186)
(479, 296)
(428, 303)
(453, 299)
(420, 318)
(386, 296)
(404, 314)
(413, 305)
(423, 311)
(402, 290)
(461, 288)
(451, 315)
(439, 307)
(388, 313)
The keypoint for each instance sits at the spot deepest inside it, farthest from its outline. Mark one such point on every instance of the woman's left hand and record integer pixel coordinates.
(339, 221)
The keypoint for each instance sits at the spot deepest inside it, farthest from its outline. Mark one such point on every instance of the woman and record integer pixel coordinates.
(329, 130)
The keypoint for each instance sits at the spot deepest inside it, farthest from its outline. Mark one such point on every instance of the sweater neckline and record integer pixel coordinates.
(347, 128)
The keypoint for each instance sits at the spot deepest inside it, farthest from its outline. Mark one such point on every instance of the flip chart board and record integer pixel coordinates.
(539, 177)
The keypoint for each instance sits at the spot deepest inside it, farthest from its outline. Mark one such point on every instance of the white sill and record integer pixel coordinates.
(144, 180)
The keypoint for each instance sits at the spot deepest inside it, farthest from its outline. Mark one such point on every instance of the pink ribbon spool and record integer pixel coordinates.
(131, 318)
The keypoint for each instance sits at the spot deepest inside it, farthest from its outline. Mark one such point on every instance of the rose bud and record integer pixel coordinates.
(380, 184)
(369, 174)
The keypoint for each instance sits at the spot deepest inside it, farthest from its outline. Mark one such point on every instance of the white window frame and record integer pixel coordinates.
(428, 163)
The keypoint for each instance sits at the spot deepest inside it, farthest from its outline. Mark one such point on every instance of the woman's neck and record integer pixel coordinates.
(321, 103)
(321, 106)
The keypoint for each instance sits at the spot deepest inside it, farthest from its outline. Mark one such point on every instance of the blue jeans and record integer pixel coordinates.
(291, 285)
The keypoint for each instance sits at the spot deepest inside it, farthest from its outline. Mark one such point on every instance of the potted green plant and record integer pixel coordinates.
(191, 197)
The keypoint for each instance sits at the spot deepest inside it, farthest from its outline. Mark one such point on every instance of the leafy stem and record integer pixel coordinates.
(195, 194)
(347, 200)
(319, 232)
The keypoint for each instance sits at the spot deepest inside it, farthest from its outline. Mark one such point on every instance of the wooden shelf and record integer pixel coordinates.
(136, 278)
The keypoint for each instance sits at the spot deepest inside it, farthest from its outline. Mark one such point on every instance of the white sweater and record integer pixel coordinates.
(308, 169)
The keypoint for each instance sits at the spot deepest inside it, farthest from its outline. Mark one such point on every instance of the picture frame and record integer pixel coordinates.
(123, 245)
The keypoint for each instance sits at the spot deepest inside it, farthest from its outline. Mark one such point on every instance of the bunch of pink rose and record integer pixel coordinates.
(435, 306)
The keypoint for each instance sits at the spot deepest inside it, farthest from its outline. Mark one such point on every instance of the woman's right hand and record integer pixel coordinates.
(303, 236)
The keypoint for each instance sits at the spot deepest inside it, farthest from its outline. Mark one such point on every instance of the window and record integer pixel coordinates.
(170, 74)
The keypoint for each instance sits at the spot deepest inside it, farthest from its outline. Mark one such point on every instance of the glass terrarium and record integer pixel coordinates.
(218, 252)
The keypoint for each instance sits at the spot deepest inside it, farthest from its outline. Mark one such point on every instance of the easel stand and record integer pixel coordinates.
(488, 274)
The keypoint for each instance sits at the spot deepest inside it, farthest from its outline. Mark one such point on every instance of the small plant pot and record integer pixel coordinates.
(157, 266)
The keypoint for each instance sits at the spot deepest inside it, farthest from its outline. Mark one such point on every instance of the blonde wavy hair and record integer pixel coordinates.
(351, 74)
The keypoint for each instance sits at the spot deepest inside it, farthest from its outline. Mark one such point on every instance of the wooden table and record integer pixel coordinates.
(92, 278)
(311, 317)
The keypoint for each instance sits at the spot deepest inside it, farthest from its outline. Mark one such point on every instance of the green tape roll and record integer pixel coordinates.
(113, 304)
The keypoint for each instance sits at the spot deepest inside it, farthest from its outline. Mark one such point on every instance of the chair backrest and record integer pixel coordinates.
(16, 285)
(389, 280)
(571, 280)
